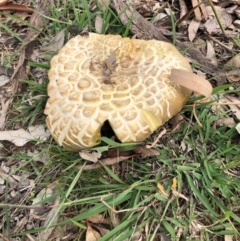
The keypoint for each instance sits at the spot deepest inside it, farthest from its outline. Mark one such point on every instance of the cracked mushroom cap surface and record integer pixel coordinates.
(98, 78)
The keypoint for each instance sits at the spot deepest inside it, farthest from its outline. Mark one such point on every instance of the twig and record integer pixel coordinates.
(157, 139)
(220, 43)
(195, 114)
(106, 162)
(4, 238)
(30, 237)
(3, 205)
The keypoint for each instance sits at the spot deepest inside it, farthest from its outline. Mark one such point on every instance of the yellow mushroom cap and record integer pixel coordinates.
(96, 78)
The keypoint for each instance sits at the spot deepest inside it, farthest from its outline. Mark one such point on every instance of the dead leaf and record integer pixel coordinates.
(21, 137)
(56, 43)
(106, 162)
(162, 189)
(3, 80)
(91, 234)
(230, 122)
(44, 235)
(103, 4)
(114, 218)
(185, 146)
(103, 231)
(21, 15)
(98, 23)
(21, 224)
(183, 8)
(11, 181)
(211, 55)
(176, 119)
(203, 10)
(17, 7)
(191, 81)
(233, 63)
(197, 12)
(229, 237)
(146, 152)
(193, 28)
(233, 75)
(90, 156)
(98, 218)
(39, 156)
(43, 194)
(237, 23)
(238, 128)
(212, 25)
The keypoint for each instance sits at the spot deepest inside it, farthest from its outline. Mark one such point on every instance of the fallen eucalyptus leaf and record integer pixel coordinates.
(90, 156)
(91, 234)
(21, 137)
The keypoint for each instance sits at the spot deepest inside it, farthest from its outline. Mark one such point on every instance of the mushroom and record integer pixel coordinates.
(98, 78)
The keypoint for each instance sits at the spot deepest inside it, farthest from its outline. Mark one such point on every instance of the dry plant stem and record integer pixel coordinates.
(17, 7)
(177, 194)
(163, 132)
(195, 103)
(225, 103)
(162, 190)
(3, 205)
(195, 115)
(183, 8)
(4, 238)
(218, 42)
(203, 9)
(3, 111)
(120, 211)
(106, 162)
(30, 237)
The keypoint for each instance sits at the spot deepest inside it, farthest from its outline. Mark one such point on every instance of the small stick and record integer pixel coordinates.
(106, 162)
(157, 139)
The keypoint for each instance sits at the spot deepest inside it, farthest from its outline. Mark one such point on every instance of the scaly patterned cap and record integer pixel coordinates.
(96, 78)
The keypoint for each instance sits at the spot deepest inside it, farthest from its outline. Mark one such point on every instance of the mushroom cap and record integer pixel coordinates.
(96, 78)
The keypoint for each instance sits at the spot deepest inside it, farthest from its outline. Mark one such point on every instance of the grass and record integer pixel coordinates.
(190, 191)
